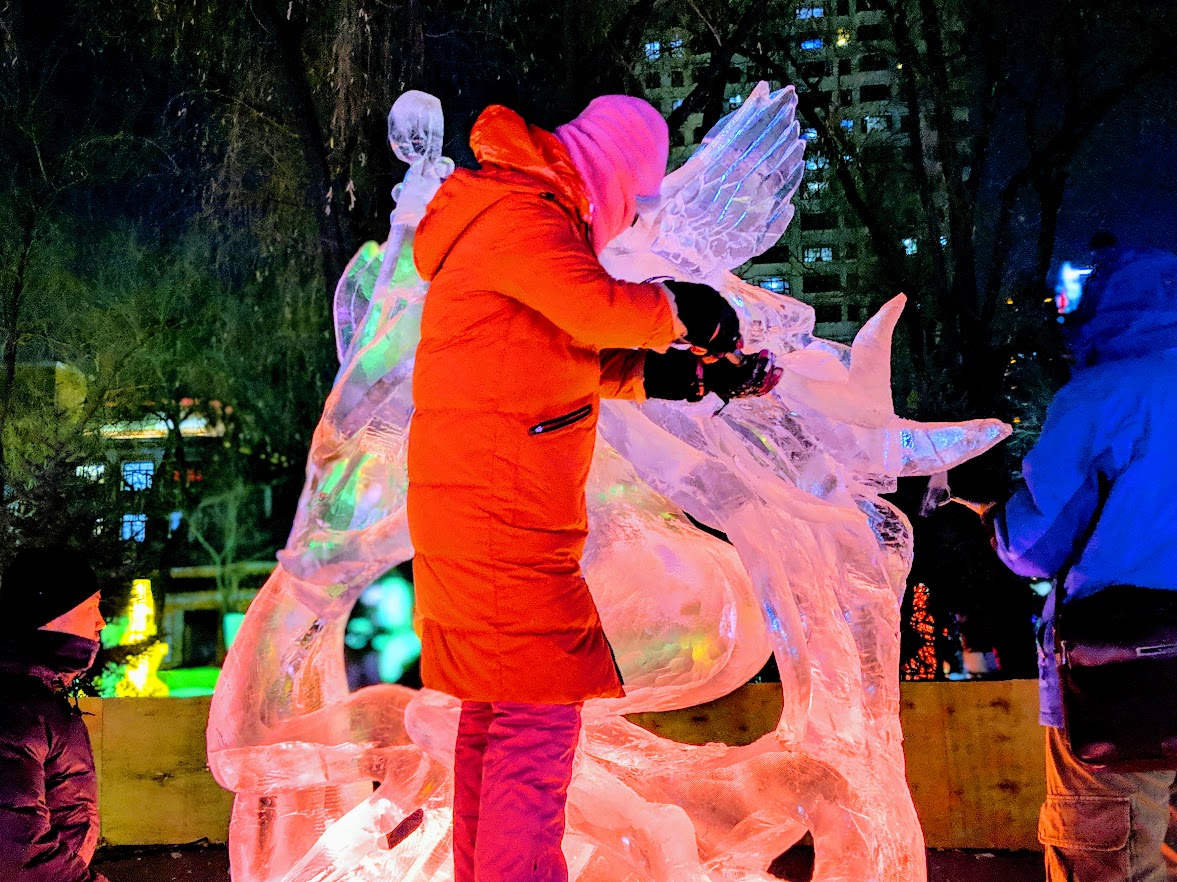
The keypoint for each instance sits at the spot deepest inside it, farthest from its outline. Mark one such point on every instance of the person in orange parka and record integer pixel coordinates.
(522, 333)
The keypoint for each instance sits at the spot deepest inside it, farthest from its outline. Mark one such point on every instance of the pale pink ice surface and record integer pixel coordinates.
(814, 573)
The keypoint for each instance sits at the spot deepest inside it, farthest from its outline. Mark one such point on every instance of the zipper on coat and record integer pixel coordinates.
(561, 422)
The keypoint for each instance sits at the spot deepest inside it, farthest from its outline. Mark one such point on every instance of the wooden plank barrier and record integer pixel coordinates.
(975, 762)
(973, 750)
(154, 786)
(974, 753)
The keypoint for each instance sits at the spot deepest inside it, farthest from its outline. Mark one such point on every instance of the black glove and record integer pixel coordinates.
(753, 375)
(712, 324)
(678, 375)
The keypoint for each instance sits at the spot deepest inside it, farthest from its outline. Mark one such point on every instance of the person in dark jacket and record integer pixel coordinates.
(1098, 508)
(48, 787)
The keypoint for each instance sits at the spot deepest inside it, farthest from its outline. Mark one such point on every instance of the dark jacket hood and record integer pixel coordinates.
(49, 656)
(1128, 308)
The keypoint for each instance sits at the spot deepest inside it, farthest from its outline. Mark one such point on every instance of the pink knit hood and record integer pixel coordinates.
(619, 145)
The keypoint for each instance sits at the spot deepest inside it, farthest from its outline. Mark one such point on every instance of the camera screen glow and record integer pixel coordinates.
(1069, 289)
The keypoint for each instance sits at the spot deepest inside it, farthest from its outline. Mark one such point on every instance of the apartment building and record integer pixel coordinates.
(843, 50)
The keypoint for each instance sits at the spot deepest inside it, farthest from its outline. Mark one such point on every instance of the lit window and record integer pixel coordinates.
(816, 188)
(910, 246)
(92, 471)
(816, 161)
(875, 123)
(675, 47)
(735, 100)
(805, 13)
(134, 528)
(809, 134)
(676, 104)
(843, 37)
(653, 50)
(813, 44)
(943, 241)
(775, 284)
(174, 519)
(847, 125)
(818, 254)
(138, 475)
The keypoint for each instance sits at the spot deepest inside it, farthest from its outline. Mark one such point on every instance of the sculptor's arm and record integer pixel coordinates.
(622, 374)
(552, 270)
(1039, 528)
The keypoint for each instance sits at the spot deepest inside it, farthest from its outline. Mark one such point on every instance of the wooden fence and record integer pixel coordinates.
(974, 760)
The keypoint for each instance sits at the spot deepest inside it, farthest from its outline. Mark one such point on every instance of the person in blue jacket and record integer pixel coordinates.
(1097, 508)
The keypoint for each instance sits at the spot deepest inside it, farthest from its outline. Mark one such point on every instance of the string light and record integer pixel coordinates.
(922, 665)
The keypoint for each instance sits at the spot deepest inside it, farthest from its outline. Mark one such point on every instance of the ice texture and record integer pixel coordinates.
(328, 783)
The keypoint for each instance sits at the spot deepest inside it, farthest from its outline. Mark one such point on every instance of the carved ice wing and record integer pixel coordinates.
(353, 294)
(731, 200)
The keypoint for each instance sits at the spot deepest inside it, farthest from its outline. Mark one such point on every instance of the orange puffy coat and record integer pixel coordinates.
(522, 333)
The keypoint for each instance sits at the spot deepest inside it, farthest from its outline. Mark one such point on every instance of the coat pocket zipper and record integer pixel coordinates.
(561, 422)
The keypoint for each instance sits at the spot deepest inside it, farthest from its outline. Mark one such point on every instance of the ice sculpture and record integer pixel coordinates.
(331, 785)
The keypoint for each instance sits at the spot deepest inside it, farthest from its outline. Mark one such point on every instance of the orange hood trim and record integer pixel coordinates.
(515, 158)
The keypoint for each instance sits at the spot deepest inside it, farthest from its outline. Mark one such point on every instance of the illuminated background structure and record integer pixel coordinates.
(333, 784)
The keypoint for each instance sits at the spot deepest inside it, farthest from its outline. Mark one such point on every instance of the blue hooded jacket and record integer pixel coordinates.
(1098, 501)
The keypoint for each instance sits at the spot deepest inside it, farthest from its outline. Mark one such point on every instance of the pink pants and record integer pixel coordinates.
(512, 765)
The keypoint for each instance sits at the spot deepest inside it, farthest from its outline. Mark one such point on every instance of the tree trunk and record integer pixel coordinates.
(1051, 189)
(946, 313)
(334, 232)
(12, 311)
(707, 96)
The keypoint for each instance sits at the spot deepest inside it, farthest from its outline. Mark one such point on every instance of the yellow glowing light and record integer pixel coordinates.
(843, 37)
(1010, 301)
(141, 678)
(700, 650)
(137, 673)
(140, 613)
